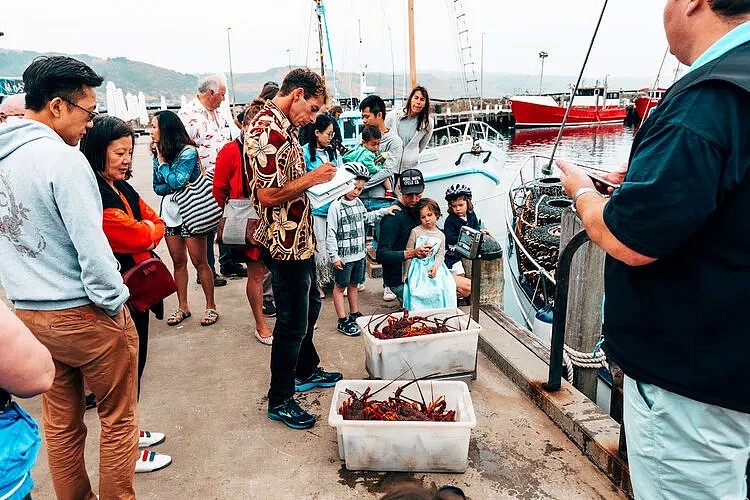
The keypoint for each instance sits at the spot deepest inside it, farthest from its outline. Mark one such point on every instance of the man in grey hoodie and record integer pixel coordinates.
(372, 108)
(59, 271)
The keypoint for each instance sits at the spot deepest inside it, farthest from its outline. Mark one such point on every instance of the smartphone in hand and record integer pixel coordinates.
(604, 184)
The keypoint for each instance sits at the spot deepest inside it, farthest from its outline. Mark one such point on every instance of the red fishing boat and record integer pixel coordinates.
(590, 106)
(647, 99)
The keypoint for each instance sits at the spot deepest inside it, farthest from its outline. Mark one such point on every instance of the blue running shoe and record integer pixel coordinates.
(319, 378)
(291, 414)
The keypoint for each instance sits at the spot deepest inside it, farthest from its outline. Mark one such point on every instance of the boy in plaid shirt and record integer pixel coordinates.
(345, 242)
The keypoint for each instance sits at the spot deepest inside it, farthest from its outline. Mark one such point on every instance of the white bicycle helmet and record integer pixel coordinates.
(457, 190)
(358, 169)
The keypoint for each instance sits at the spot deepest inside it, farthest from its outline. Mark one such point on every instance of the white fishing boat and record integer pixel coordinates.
(467, 153)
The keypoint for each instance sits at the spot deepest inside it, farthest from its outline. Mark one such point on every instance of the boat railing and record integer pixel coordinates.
(471, 130)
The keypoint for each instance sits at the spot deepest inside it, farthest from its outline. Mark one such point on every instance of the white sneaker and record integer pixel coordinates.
(150, 461)
(388, 294)
(147, 439)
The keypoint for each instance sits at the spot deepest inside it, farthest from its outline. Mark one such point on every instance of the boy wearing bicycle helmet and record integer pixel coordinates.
(345, 243)
(460, 213)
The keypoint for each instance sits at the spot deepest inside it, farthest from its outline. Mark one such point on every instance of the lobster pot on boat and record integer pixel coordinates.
(411, 446)
(435, 354)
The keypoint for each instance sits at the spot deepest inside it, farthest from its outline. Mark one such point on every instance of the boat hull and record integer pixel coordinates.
(643, 106)
(533, 114)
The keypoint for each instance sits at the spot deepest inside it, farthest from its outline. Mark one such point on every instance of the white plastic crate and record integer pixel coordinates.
(439, 353)
(406, 446)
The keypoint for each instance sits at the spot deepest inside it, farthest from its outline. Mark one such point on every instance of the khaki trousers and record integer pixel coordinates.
(85, 342)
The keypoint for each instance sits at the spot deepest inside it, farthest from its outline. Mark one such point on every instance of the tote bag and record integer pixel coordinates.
(240, 220)
(198, 208)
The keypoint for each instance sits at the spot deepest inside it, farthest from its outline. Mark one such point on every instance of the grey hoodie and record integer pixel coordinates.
(53, 252)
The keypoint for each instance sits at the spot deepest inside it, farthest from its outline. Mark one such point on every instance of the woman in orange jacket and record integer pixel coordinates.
(133, 230)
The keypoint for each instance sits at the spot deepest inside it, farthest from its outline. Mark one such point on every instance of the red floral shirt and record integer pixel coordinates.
(274, 157)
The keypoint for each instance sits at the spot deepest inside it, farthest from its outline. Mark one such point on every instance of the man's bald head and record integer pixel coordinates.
(14, 105)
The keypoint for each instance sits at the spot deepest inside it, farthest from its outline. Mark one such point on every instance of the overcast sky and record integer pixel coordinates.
(191, 36)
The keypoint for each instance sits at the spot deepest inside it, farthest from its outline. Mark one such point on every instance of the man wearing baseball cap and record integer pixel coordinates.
(394, 233)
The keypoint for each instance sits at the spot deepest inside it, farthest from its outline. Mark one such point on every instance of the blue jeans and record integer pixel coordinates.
(297, 307)
(225, 253)
(682, 448)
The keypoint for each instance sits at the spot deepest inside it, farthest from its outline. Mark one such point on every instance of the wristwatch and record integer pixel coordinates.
(579, 193)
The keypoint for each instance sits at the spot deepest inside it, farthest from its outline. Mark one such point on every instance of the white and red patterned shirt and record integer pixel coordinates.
(274, 157)
(209, 131)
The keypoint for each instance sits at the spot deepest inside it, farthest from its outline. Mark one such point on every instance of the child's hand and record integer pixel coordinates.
(393, 209)
(432, 272)
(339, 264)
(484, 231)
(380, 159)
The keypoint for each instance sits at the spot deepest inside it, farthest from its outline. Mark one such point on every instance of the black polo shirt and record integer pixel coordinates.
(678, 322)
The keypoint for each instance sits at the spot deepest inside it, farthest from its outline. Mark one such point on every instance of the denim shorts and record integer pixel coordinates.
(178, 231)
(352, 274)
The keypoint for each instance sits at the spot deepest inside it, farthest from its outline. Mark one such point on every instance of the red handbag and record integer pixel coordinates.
(149, 283)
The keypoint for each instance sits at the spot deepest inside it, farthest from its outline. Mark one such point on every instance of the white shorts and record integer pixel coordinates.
(458, 268)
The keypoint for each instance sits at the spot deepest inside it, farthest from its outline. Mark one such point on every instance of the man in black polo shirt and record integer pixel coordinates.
(677, 277)
(395, 230)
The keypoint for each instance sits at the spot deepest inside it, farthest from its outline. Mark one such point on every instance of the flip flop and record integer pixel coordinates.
(178, 317)
(264, 340)
(210, 317)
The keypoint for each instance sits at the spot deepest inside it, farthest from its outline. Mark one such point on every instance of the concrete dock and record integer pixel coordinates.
(205, 387)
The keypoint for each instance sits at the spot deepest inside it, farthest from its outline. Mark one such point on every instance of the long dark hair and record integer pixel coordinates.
(105, 130)
(172, 135)
(423, 118)
(322, 122)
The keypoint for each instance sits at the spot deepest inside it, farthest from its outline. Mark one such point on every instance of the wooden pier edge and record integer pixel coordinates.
(516, 352)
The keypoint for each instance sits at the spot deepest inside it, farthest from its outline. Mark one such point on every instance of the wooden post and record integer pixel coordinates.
(584, 314)
(492, 281)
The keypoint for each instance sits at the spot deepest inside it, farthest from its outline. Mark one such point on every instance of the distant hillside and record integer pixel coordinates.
(134, 76)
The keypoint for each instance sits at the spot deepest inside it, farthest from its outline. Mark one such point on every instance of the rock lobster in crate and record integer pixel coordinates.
(412, 445)
(436, 342)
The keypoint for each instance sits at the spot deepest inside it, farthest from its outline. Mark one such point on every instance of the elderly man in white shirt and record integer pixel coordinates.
(210, 132)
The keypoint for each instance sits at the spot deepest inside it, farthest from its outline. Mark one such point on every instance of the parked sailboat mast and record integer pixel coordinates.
(412, 50)
(323, 26)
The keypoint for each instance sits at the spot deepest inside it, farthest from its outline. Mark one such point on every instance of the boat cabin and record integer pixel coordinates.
(10, 86)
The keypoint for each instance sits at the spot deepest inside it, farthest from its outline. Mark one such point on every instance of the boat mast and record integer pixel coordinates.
(412, 51)
(320, 11)
(542, 55)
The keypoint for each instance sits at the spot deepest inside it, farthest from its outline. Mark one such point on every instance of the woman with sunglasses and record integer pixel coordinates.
(133, 230)
(176, 164)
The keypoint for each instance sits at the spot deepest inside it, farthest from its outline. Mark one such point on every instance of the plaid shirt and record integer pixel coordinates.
(274, 157)
(345, 233)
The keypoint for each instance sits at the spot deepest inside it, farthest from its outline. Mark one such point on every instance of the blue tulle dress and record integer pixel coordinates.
(422, 292)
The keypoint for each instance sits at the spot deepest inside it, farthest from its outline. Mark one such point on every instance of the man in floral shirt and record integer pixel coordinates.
(210, 131)
(276, 173)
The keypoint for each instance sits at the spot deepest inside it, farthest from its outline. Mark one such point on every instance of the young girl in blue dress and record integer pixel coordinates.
(429, 284)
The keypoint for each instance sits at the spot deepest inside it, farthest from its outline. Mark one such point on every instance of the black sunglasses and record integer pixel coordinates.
(92, 114)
